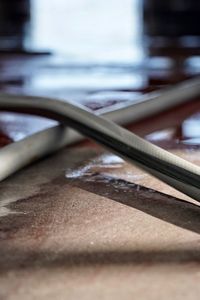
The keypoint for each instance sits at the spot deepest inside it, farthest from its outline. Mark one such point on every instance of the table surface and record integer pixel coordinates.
(85, 224)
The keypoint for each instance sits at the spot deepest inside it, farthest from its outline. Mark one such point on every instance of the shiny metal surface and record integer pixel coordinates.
(50, 140)
(171, 169)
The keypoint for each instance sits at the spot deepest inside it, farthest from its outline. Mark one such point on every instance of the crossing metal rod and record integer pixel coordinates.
(177, 172)
(21, 153)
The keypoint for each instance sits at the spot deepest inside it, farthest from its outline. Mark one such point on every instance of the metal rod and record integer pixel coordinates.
(177, 172)
(50, 140)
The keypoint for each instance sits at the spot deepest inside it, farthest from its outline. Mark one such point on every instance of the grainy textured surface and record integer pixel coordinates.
(83, 224)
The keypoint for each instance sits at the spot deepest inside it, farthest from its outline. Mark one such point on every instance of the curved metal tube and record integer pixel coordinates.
(167, 167)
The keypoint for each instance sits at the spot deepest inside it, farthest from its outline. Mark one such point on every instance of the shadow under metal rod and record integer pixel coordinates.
(177, 172)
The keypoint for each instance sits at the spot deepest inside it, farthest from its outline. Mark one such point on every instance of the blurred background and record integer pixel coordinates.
(85, 31)
(111, 38)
